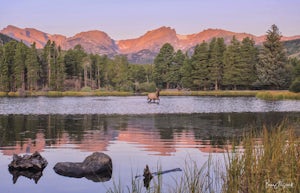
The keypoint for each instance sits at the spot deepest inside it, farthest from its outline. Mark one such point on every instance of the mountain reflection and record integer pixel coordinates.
(157, 134)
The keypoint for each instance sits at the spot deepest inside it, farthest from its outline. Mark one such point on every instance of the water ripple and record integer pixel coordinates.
(139, 105)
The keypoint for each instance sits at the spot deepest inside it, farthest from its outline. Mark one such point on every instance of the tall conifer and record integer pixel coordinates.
(33, 68)
(200, 62)
(272, 67)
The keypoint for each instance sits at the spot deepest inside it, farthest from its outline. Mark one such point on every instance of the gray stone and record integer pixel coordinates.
(34, 162)
(96, 167)
(29, 166)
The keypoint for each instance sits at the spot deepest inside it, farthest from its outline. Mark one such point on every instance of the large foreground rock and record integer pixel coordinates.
(96, 167)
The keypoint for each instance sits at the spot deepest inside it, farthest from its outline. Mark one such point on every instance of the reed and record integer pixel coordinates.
(3, 94)
(220, 93)
(278, 95)
(54, 94)
(268, 161)
(270, 164)
(112, 93)
(265, 95)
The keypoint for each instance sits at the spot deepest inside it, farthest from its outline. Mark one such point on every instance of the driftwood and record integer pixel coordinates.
(148, 175)
(153, 96)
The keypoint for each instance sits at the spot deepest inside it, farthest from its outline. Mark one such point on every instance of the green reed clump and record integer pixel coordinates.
(278, 95)
(112, 93)
(54, 94)
(268, 161)
(225, 93)
(221, 93)
(269, 164)
(207, 178)
(3, 94)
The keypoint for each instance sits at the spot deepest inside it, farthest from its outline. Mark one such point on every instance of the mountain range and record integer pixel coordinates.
(138, 50)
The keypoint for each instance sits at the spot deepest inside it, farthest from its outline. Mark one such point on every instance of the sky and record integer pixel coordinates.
(126, 19)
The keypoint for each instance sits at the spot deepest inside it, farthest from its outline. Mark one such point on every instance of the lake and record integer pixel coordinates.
(131, 131)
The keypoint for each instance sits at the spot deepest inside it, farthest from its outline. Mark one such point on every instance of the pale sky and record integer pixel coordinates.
(125, 19)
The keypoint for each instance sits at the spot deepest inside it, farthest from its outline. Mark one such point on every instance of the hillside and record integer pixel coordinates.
(138, 50)
(293, 48)
(4, 39)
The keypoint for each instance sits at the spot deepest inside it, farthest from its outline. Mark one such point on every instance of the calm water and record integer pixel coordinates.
(138, 105)
(132, 132)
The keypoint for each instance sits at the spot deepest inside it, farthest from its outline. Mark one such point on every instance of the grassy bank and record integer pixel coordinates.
(3, 94)
(278, 95)
(221, 93)
(265, 95)
(264, 162)
(65, 93)
(271, 163)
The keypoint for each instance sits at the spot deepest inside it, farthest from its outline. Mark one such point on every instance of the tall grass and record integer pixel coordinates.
(3, 94)
(266, 95)
(268, 161)
(278, 95)
(221, 93)
(207, 178)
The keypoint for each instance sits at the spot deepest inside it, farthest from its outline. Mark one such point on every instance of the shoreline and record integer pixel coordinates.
(261, 94)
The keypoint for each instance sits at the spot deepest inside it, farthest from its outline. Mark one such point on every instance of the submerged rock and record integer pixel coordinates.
(96, 167)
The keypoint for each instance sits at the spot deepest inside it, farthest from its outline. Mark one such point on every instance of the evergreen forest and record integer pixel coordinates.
(213, 65)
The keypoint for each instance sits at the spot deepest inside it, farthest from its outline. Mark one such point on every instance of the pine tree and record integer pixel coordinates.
(60, 70)
(33, 68)
(186, 73)
(6, 68)
(86, 64)
(249, 59)
(200, 61)
(174, 75)
(217, 48)
(119, 74)
(19, 66)
(233, 67)
(272, 67)
(73, 61)
(3, 69)
(162, 63)
(46, 65)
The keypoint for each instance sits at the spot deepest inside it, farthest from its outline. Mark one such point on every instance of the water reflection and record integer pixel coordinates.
(130, 140)
(157, 134)
(35, 175)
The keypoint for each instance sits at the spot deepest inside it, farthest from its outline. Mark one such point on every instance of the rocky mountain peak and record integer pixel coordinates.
(138, 50)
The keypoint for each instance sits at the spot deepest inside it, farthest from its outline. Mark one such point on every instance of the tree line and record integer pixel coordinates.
(213, 65)
(27, 68)
(239, 65)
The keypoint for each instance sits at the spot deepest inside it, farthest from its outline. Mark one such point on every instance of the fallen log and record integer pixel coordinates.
(148, 175)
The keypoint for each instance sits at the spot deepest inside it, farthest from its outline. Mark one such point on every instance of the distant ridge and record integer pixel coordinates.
(142, 49)
(4, 39)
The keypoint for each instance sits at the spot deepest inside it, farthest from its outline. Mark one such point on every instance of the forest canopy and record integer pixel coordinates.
(211, 66)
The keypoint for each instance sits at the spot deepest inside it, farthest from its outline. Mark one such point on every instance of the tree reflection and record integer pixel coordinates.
(155, 132)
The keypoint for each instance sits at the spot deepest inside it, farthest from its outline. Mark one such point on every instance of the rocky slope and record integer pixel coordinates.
(138, 50)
